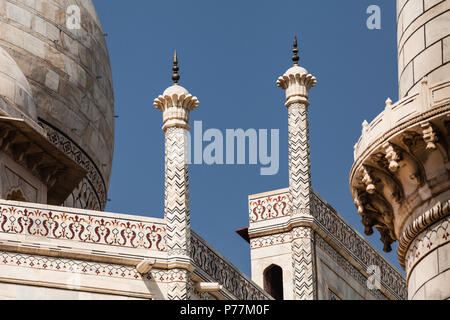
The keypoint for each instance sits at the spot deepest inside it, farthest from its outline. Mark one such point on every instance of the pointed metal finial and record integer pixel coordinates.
(175, 76)
(295, 58)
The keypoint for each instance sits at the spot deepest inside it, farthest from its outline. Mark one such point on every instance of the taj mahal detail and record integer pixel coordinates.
(56, 151)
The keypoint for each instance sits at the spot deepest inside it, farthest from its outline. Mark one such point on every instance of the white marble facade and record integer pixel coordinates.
(53, 78)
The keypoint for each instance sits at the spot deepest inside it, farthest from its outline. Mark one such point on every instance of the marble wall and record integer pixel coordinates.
(423, 43)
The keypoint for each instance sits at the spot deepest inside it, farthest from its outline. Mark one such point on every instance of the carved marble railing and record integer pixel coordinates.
(222, 271)
(427, 100)
(29, 222)
(357, 246)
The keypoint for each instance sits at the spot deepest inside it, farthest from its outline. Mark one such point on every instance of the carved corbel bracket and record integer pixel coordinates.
(7, 139)
(376, 213)
(435, 139)
(391, 187)
(368, 181)
(145, 266)
(380, 160)
(386, 238)
(393, 155)
(360, 201)
(430, 135)
(370, 220)
(412, 141)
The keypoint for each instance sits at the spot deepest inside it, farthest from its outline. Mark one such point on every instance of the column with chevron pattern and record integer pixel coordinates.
(176, 104)
(299, 158)
(297, 82)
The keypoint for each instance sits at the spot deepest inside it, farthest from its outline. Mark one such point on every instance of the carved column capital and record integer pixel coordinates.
(176, 104)
(297, 83)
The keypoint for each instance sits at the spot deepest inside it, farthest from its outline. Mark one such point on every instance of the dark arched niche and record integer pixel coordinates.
(273, 281)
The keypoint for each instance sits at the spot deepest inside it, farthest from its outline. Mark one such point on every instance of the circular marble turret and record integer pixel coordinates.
(423, 28)
(400, 179)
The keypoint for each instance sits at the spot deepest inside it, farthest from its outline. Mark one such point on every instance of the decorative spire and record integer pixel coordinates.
(295, 58)
(175, 76)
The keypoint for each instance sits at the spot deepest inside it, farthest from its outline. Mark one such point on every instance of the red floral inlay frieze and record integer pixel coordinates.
(270, 207)
(82, 228)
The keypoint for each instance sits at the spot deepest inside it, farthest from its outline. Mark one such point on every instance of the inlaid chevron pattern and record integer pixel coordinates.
(180, 286)
(303, 258)
(176, 209)
(299, 159)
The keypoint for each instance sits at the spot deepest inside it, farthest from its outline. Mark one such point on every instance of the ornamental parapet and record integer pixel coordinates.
(411, 109)
(213, 267)
(81, 232)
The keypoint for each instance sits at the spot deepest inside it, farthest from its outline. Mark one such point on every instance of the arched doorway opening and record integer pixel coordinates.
(273, 281)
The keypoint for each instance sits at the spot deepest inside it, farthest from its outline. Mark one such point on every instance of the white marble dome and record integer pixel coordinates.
(175, 89)
(14, 87)
(296, 70)
(68, 70)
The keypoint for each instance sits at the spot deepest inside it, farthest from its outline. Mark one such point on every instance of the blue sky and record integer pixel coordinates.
(231, 54)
